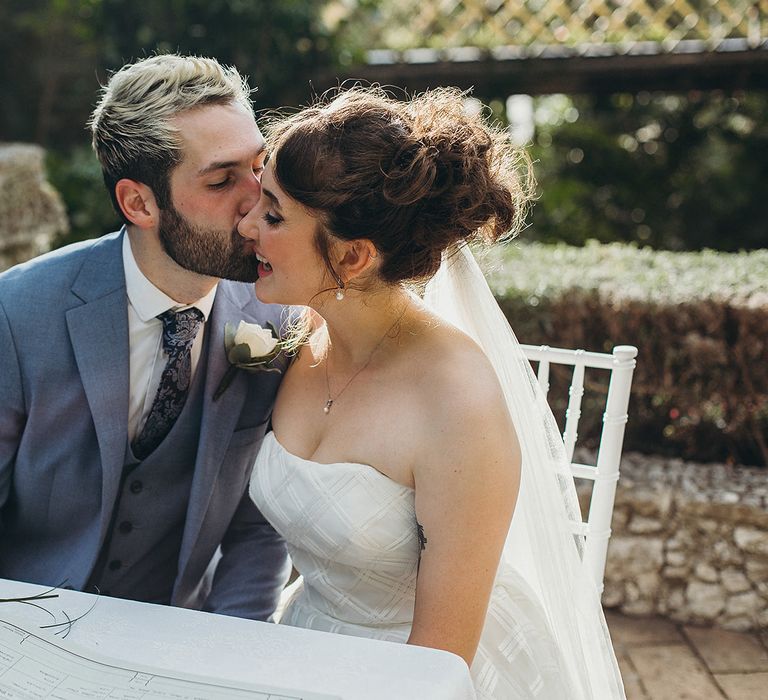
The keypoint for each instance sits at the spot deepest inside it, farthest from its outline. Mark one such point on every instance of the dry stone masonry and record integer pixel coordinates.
(690, 542)
(31, 211)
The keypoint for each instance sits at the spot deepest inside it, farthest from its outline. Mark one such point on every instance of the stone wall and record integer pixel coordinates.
(690, 542)
(31, 211)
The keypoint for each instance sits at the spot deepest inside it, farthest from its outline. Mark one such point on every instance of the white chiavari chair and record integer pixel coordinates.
(604, 475)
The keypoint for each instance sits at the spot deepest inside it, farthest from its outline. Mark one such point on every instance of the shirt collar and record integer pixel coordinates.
(147, 300)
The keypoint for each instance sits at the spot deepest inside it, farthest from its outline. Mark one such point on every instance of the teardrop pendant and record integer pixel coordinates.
(327, 407)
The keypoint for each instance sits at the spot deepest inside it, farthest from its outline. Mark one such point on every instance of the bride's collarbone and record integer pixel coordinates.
(374, 421)
(349, 434)
(375, 395)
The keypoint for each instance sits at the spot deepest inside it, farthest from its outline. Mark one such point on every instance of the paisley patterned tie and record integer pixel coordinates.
(179, 331)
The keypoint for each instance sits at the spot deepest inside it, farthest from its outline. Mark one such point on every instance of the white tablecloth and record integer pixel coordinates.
(243, 651)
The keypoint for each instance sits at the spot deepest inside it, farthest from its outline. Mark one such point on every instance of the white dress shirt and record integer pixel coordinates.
(145, 336)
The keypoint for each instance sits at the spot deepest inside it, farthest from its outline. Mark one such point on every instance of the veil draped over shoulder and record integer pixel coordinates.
(540, 545)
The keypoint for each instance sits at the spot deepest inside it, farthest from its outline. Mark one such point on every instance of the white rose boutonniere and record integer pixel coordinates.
(249, 347)
(260, 341)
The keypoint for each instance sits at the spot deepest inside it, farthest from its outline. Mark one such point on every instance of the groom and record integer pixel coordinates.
(119, 471)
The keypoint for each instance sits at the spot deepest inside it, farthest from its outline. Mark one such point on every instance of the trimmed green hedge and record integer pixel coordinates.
(699, 320)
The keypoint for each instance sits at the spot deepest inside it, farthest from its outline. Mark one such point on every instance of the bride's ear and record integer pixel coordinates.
(357, 257)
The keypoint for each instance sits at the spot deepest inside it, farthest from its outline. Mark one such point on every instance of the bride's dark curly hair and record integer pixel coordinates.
(414, 177)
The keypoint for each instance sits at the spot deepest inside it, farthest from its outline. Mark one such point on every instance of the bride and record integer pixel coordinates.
(413, 467)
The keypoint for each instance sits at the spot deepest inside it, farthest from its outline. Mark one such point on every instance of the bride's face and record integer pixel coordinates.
(282, 234)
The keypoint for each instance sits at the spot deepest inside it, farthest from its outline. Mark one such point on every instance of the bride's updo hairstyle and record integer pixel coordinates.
(414, 177)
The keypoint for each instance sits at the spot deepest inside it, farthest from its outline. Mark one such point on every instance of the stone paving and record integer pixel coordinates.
(663, 660)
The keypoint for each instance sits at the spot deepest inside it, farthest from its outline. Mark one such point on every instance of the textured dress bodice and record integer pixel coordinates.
(352, 535)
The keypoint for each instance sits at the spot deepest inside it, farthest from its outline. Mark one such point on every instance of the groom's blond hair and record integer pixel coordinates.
(133, 133)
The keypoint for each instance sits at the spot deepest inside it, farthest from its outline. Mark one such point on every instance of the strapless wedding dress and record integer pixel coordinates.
(352, 535)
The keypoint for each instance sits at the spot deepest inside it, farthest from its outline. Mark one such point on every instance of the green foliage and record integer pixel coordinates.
(55, 53)
(48, 57)
(76, 175)
(619, 272)
(700, 390)
(680, 172)
(277, 43)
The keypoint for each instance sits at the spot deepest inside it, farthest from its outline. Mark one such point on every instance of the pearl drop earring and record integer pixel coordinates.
(340, 285)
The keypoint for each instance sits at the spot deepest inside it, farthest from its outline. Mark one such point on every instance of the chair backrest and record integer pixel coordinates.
(605, 474)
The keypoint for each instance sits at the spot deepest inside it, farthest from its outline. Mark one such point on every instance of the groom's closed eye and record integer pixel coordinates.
(220, 185)
(256, 170)
(230, 168)
(217, 165)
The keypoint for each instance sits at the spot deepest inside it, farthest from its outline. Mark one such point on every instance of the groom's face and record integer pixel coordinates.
(212, 189)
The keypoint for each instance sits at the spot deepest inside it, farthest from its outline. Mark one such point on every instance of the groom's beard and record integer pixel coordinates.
(206, 251)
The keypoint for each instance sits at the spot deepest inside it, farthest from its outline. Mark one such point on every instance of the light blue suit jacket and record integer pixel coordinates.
(64, 383)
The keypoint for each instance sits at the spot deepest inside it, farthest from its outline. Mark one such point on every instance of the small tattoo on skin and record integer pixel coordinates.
(422, 542)
(422, 539)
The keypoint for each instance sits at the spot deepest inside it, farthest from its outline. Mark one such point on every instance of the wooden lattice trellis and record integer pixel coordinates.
(540, 46)
(404, 24)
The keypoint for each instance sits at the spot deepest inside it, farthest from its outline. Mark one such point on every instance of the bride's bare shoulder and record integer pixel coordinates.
(463, 409)
(454, 373)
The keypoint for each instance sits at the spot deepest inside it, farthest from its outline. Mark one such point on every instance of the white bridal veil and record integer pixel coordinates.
(540, 545)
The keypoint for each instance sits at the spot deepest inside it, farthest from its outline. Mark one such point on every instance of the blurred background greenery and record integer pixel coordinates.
(674, 171)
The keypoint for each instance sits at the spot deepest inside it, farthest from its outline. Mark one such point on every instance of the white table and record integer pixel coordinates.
(241, 651)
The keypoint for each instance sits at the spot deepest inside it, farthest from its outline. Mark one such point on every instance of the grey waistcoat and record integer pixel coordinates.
(139, 558)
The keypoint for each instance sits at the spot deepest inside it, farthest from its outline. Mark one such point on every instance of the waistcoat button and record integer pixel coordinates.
(136, 486)
(125, 527)
(115, 564)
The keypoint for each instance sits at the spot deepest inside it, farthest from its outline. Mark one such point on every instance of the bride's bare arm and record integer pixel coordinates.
(467, 480)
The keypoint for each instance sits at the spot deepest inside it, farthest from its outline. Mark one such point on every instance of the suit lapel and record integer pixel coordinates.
(98, 331)
(219, 418)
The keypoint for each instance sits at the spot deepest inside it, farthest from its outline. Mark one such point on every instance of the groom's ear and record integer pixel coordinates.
(137, 202)
(357, 257)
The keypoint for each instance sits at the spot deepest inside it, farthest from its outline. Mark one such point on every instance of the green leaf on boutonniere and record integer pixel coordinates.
(239, 354)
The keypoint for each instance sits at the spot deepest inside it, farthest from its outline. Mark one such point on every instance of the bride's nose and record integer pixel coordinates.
(247, 227)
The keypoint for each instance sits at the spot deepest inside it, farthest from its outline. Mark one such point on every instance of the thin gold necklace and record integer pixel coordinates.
(330, 400)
